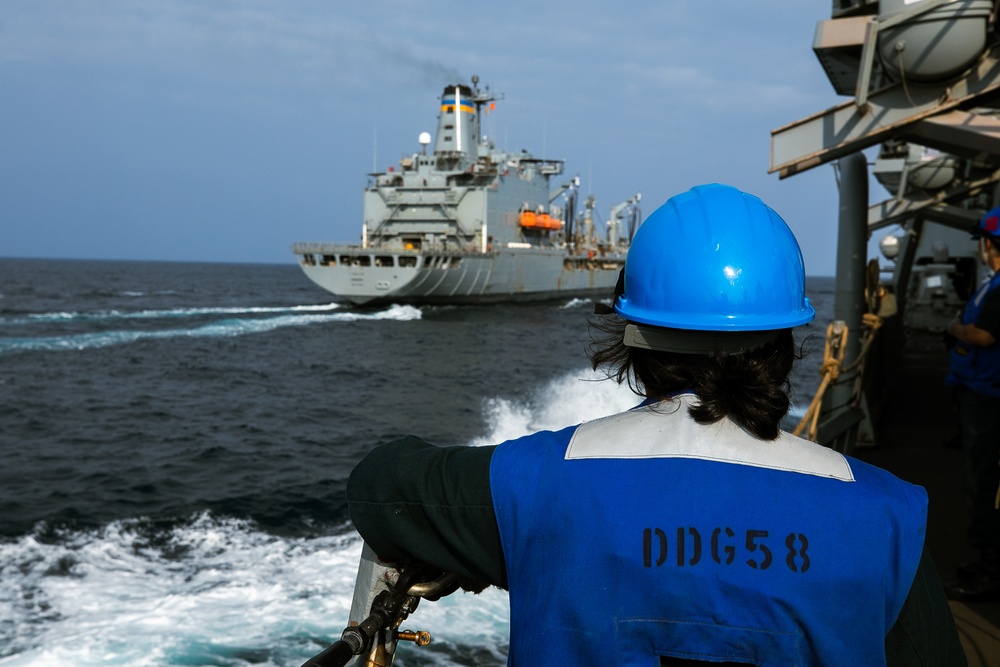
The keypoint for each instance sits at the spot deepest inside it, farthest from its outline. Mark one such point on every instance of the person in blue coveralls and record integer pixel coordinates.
(975, 373)
(689, 530)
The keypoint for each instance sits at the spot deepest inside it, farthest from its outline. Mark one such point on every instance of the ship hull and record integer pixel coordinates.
(373, 277)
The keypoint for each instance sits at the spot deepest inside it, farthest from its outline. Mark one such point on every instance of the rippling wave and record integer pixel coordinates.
(226, 327)
(36, 318)
(203, 591)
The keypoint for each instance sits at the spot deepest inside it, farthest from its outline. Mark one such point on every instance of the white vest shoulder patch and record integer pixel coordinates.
(666, 430)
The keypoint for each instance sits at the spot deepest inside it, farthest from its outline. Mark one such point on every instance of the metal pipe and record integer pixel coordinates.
(849, 302)
(852, 250)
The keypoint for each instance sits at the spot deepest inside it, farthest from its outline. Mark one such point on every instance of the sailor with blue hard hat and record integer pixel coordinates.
(974, 371)
(689, 530)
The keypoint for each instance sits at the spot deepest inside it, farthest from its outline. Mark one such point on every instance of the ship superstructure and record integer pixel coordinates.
(469, 223)
(924, 78)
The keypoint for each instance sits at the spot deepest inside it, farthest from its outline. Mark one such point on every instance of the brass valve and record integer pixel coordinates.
(420, 637)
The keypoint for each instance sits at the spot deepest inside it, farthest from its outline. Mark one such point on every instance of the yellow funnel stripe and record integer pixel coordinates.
(448, 108)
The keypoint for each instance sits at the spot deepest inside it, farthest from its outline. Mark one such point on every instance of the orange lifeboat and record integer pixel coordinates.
(533, 220)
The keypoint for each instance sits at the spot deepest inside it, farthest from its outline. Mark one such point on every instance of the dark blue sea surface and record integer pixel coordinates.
(175, 441)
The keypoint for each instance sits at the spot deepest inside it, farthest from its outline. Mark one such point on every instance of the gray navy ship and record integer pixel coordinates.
(469, 223)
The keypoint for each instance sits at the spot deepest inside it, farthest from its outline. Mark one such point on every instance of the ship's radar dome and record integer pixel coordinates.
(424, 138)
(934, 45)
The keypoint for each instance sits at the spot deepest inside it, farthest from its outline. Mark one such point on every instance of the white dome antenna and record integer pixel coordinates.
(424, 139)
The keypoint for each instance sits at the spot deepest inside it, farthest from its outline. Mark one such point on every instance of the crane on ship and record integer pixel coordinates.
(568, 191)
(625, 216)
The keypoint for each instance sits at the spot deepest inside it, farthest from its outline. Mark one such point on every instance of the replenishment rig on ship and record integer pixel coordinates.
(469, 223)
(923, 78)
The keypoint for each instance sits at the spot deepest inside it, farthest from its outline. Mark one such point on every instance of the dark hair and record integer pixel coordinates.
(749, 388)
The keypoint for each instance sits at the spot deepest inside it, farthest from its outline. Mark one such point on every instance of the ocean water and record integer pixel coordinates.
(175, 441)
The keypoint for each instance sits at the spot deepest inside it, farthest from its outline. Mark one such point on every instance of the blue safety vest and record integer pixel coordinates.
(646, 534)
(975, 367)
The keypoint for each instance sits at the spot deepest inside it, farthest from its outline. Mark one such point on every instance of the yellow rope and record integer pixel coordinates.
(833, 366)
(836, 346)
(830, 369)
(872, 322)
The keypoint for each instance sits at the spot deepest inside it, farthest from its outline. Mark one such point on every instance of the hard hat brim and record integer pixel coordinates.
(715, 322)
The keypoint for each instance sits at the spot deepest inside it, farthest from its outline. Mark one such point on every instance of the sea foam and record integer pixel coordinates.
(219, 328)
(214, 591)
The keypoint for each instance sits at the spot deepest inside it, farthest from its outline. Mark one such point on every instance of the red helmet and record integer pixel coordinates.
(989, 225)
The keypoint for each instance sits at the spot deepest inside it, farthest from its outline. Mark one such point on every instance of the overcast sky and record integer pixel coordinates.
(228, 130)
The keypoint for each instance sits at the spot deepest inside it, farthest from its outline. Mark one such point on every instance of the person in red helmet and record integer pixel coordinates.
(974, 371)
(689, 530)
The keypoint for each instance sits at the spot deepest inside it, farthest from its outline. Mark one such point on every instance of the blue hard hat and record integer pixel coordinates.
(988, 225)
(715, 259)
